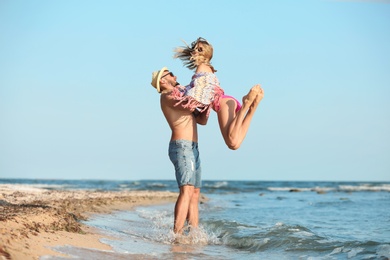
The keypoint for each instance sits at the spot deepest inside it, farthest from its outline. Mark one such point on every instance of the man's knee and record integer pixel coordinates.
(195, 195)
(196, 191)
(187, 190)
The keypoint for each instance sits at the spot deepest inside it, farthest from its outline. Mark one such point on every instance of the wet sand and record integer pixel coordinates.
(33, 220)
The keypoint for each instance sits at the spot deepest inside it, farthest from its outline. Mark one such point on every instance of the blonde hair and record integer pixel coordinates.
(200, 52)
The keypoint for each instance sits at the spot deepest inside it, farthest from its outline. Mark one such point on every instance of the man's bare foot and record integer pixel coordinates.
(252, 94)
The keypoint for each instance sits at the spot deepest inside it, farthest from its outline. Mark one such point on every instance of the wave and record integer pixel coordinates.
(241, 232)
(216, 185)
(365, 187)
(339, 188)
(212, 187)
(156, 185)
(283, 239)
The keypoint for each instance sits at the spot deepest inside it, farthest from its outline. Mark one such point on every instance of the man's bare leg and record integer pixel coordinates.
(234, 126)
(181, 207)
(193, 211)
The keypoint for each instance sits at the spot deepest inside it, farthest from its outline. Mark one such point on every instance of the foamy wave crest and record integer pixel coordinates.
(383, 250)
(365, 187)
(288, 189)
(157, 185)
(31, 187)
(216, 185)
(235, 235)
(258, 239)
(360, 251)
(348, 188)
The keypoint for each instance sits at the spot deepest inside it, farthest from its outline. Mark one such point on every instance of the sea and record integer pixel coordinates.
(244, 220)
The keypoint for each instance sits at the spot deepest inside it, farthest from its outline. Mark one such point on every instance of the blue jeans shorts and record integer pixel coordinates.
(184, 155)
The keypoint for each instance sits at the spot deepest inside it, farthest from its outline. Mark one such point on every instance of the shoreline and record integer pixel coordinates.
(34, 220)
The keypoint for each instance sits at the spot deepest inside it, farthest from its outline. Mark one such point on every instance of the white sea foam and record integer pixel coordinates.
(355, 251)
(384, 250)
(337, 250)
(217, 185)
(304, 234)
(160, 230)
(24, 187)
(349, 188)
(157, 184)
(365, 187)
(289, 189)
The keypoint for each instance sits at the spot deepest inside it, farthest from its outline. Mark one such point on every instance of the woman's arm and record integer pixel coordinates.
(201, 118)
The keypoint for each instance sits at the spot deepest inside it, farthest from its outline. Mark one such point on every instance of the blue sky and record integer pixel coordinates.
(76, 100)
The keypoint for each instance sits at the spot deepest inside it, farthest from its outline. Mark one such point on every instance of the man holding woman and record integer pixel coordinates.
(184, 107)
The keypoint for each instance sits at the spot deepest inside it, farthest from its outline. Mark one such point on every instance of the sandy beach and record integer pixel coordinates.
(33, 220)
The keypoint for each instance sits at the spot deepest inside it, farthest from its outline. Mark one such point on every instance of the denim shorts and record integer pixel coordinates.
(184, 155)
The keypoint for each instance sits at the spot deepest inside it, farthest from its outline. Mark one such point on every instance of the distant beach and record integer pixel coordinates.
(32, 220)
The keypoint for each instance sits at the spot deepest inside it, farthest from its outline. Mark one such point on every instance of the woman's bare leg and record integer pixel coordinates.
(234, 126)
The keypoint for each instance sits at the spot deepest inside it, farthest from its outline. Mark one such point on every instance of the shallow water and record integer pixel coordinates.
(246, 219)
(273, 220)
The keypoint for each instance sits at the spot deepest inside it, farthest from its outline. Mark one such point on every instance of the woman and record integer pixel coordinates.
(204, 92)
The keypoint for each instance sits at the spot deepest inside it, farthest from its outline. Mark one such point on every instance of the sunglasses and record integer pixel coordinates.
(200, 39)
(169, 73)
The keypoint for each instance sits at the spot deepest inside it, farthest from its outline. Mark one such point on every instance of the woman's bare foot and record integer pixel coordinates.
(252, 94)
(258, 98)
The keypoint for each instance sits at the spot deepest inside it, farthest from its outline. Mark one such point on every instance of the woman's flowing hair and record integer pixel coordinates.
(200, 52)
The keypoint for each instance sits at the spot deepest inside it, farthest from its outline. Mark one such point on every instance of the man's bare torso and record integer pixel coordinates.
(181, 121)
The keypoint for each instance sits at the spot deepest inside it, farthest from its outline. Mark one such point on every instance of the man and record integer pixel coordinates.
(183, 149)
